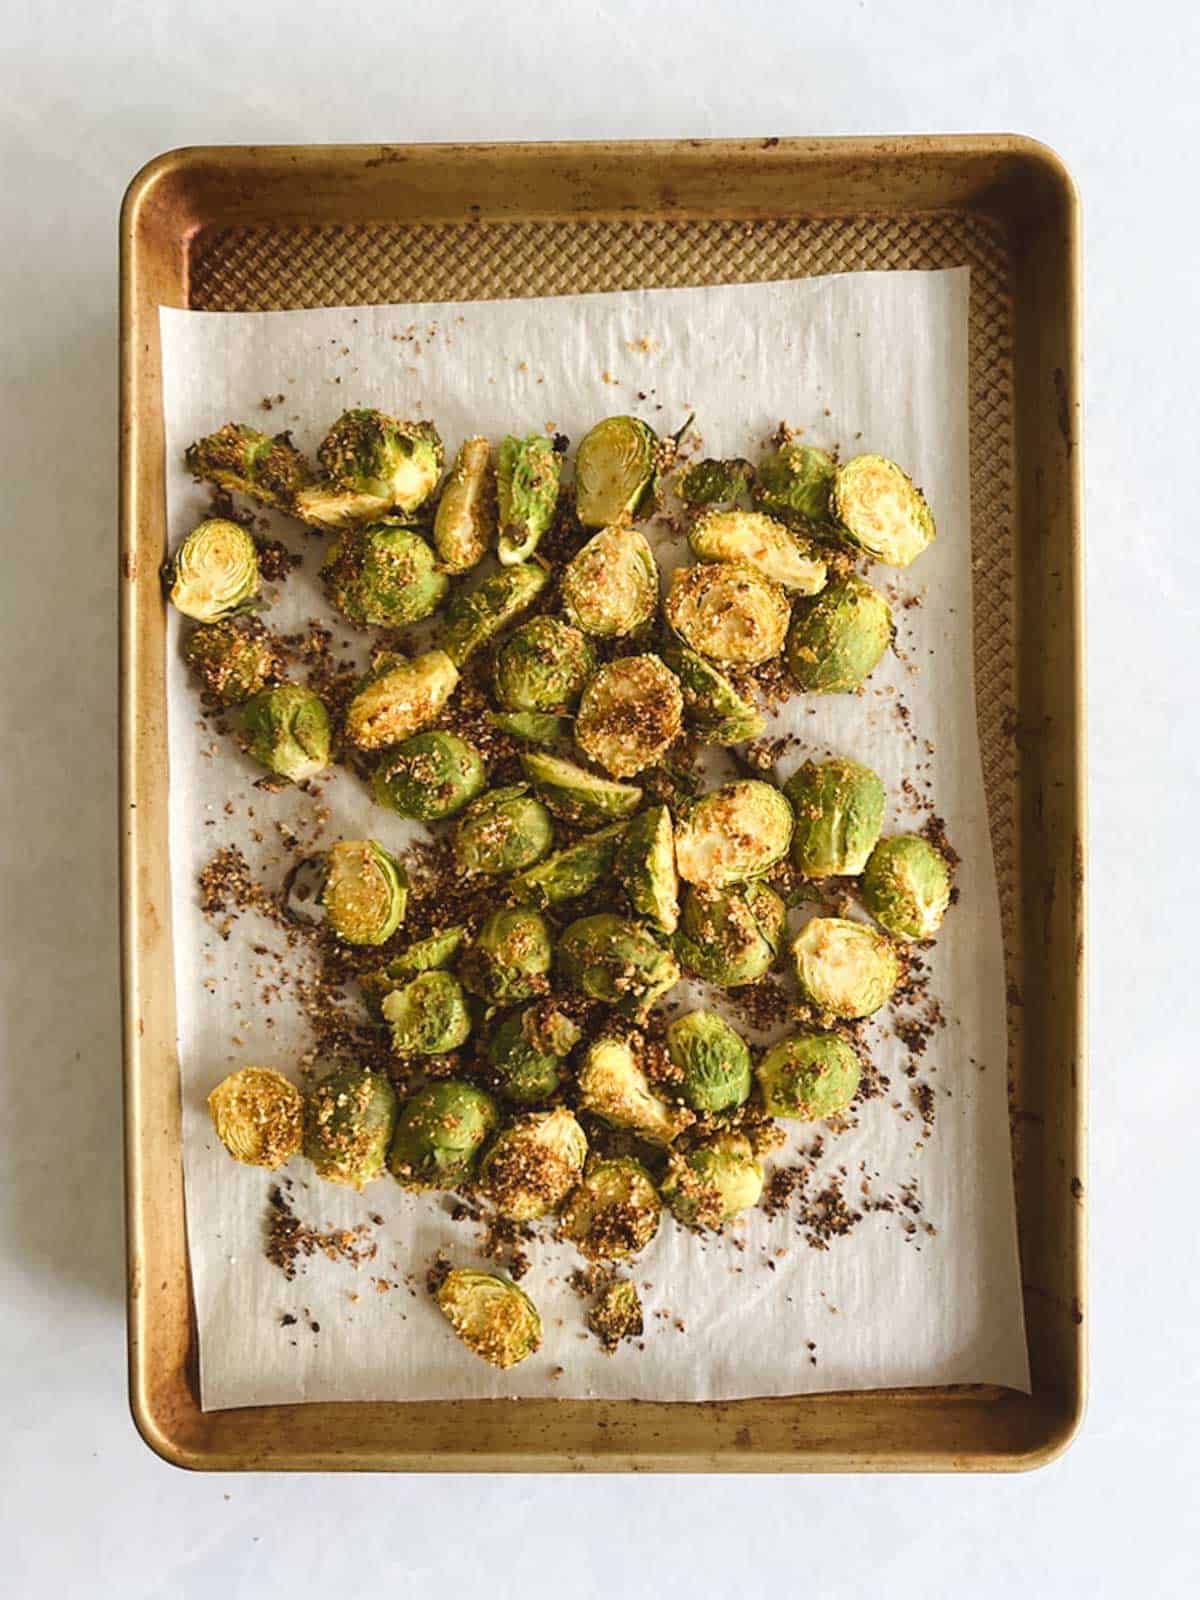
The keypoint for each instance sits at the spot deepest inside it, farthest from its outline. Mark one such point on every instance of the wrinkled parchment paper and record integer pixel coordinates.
(868, 361)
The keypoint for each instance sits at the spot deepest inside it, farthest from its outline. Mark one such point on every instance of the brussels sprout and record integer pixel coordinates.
(614, 1213)
(494, 1319)
(439, 1134)
(610, 587)
(615, 466)
(429, 1016)
(399, 697)
(614, 1087)
(838, 638)
(616, 1315)
(431, 954)
(844, 967)
(630, 715)
(736, 832)
(214, 573)
(530, 1169)
(577, 796)
(465, 523)
(712, 1182)
(721, 715)
(906, 886)
(245, 461)
(503, 831)
(713, 1058)
(569, 873)
(286, 729)
(645, 867)
(258, 1116)
(731, 936)
(348, 1122)
(838, 806)
(711, 483)
(370, 453)
(365, 893)
(527, 476)
(233, 660)
(510, 957)
(474, 617)
(880, 509)
(795, 482)
(533, 727)
(543, 666)
(809, 1076)
(758, 541)
(527, 1052)
(611, 958)
(383, 574)
(430, 776)
(728, 610)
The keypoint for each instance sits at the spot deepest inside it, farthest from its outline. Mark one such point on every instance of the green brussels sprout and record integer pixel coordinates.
(439, 1134)
(383, 574)
(495, 1319)
(906, 886)
(713, 1058)
(729, 611)
(543, 666)
(430, 776)
(510, 957)
(365, 893)
(720, 714)
(611, 958)
(731, 936)
(614, 1213)
(613, 1086)
(569, 873)
(533, 727)
(465, 522)
(630, 715)
(258, 1116)
(712, 1182)
(838, 638)
(503, 831)
(528, 476)
(736, 832)
(529, 1169)
(214, 573)
(399, 697)
(474, 617)
(795, 482)
(348, 1120)
(286, 729)
(430, 954)
(233, 660)
(577, 796)
(243, 460)
(369, 453)
(844, 967)
(838, 806)
(878, 508)
(429, 1016)
(760, 542)
(616, 1314)
(712, 483)
(809, 1076)
(615, 468)
(527, 1052)
(610, 586)
(645, 867)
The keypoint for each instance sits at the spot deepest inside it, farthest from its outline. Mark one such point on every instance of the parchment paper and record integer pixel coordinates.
(870, 361)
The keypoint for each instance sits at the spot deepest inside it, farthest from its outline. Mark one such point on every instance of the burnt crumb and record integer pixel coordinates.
(439, 1270)
(226, 889)
(289, 1242)
(934, 830)
(275, 561)
(923, 1099)
(287, 1320)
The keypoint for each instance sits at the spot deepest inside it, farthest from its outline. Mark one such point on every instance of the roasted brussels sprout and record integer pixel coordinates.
(569, 873)
(527, 476)
(439, 1134)
(465, 523)
(630, 715)
(348, 1120)
(721, 715)
(729, 611)
(533, 727)
(712, 1182)
(845, 968)
(430, 954)
(233, 660)
(838, 806)
(611, 958)
(245, 461)
(543, 666)
(795, 482)
(527, 1051)
(645, 867)
(713, 483)
(369, 453)
(809, 1076)
(614, 1213)
(495, 1319)
(731, 936)
(398, 698)
(838, 638)
(365, 893)
(429, 1016)
(383, 574)
(529, 1170)
(736, 832)
(906, 886)
(610, 587)
(616, 1314)
(615, 466)
(614, 1087)
(759, 541)
(577, 796)
(429, 777)
(286, 729)
(880, 509)
(214, 573)
(713, 1058)
(258, 1116)
(474, 617)
(503, 831)
(510, 957)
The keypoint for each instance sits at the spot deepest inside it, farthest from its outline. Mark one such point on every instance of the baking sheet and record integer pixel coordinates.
(865, 360)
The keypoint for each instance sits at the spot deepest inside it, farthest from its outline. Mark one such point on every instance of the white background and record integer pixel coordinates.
(87, 93)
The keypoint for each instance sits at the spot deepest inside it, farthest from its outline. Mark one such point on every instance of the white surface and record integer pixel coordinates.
(92, 90)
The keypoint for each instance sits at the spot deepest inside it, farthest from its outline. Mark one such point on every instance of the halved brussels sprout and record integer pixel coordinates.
(729, 611)
(429, 777)
(838, 638)
(233, 660)
(759, 541)
(795, 482)
(431, 954)
(809, 1076)
(844, 967)
(429, 1016)
(383, 574)
(214, 573)
(474, 617)
(258, 1116)
(616, 1314)
(614, 1213)
(610, 587)
(611, 958)
(630, 715)
(398, 698)
(713, 1058)
(495, 1319)
(370, 453)
(365, 893)
(503, 831)
(712, 1182)
(245, 461)
(838, 806)
(528, 476)
(731, 936)
(906, 886)
(533, 727)
(348, 1120)
(615, 466)
(286, 729)
(879, 508)
(614, 1087)
(736, 832)
(530, 1169)
(439, 1134)
(510, 957)
(465, 523)
(543, 666)
(575, 795)
(721, 715)
(712, 483)
(645, 867)
(527, 1052)
(569, 873)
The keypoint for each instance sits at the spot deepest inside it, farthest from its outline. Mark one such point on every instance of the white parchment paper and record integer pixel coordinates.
(870, 361)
